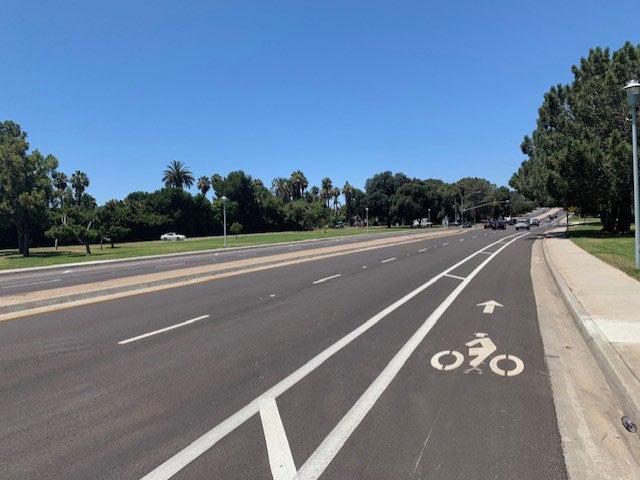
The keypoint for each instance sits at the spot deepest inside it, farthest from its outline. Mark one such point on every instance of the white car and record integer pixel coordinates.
(172, 236)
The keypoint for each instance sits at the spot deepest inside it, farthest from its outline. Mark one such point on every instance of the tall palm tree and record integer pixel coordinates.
(281, 188)
(204, 185)
(299, 184)
(60, 181)
(335, 193)
(79, 181)
(177, 175)
(326, 190)
(347, 191)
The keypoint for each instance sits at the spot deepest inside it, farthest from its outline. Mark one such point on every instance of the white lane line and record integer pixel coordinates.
(32, 283)
(330, 446)
(445, 244)
(364, 266)
(67, 271)
(327, 278)
(162, 330)
(171, 265)
(487, 253)
(388, 260)
(486, 234)
(280, 457)
(423, 250)
(454, 276)
(461, 240)
(199, 446)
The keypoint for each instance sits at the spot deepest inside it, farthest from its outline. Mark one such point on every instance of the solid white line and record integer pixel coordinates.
(388, 260)
(166, 329)
(199, 446)
(445, 244)
(280, 457)
(31, 283)
(454, 276)
(330, 446)
(423, 250)
(327, 278)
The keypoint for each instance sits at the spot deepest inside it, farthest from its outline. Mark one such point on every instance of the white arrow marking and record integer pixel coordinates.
(489, 306)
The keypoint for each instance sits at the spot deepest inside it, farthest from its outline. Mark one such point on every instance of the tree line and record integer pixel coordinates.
(579, 155)
(41, 205)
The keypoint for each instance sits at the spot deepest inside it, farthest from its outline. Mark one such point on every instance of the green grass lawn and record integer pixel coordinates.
(617, 251)
(42, 256)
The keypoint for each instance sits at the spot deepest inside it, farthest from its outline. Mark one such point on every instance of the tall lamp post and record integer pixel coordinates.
(429, 218)
(366, 209)
(633, 97)
(224, 218)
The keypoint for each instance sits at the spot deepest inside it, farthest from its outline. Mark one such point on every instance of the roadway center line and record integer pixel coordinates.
(199, 446)
(280, 457)
(330, 446)
(327, 278)
(32, 283)
(162, 330)
(388, 260)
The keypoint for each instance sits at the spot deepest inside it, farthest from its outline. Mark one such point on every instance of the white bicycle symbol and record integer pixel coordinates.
(482, 347)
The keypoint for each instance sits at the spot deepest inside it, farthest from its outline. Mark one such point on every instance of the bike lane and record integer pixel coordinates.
(466, 422)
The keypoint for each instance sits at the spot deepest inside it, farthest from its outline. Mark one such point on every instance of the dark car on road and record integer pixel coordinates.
(500, 225)
(490, 224)
(467, 224)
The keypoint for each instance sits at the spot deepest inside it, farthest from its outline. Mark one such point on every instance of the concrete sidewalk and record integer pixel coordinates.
(605, 304)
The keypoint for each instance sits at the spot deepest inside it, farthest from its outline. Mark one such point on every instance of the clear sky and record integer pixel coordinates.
(336, 88)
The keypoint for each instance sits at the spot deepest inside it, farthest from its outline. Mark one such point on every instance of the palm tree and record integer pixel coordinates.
(204, 184)
(281, 188)
(347, 191)
(335, 193)
(177, 175)
(79, 181)
(60, 181)
(298, 183)
(326, 190)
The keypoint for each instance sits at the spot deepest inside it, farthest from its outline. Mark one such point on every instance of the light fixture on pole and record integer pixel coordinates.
(367, 210)
(633, 97)
(224, 218)
(429, 218)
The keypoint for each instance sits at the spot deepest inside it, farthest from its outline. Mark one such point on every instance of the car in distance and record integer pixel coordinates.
(490, 224)
(500, 225)
(522, 224)
(535, 222)
(172, 236)
(467, 225)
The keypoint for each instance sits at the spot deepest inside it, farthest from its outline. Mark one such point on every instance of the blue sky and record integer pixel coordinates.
(343, 89)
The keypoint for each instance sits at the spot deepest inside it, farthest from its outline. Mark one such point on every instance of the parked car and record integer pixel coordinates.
(467, 225)
(172, 236)
(338, 225)
(535, 222)
(522, 224)
(499, 225)
(490, 224)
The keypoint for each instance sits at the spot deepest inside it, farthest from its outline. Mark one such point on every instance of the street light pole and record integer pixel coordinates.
(633, 97)
(224, 218)
(367, 210)
(429, 218)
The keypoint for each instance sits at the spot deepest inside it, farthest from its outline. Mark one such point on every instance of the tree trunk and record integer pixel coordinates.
(111, 241)
(608, 220)
(20, 239)
(25, 245)
(623, 225)
(88, 247)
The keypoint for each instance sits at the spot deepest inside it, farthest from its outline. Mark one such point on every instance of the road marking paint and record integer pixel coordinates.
(423, 250)
(454, 276)
(272, 295)
(199, 446)
(486, 234)
(172, 265)
(489, 306)
(475, 236)
(445, 244)
(32, 283)
(67, 271)
(330, 446)
(408, 254)
(461, 240)
(162, 330)
(364, 266)
(388, 260)
(280, 457)
(327, 278)
(487, 253)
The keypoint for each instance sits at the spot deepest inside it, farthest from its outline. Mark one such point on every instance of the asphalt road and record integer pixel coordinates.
(339, 368)
(12, 283)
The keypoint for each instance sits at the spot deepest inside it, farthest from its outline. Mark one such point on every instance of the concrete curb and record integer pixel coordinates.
(620, 378)
(180, 280)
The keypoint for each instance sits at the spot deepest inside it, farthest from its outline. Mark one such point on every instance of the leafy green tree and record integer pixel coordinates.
(235, 229)
(177, 175)
(75, 224)
(111, 219)
(326, 190)
(25, 178)
(281, 187)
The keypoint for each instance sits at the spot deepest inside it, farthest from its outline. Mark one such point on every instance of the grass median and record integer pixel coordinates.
(616, 250)
(44, 256)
